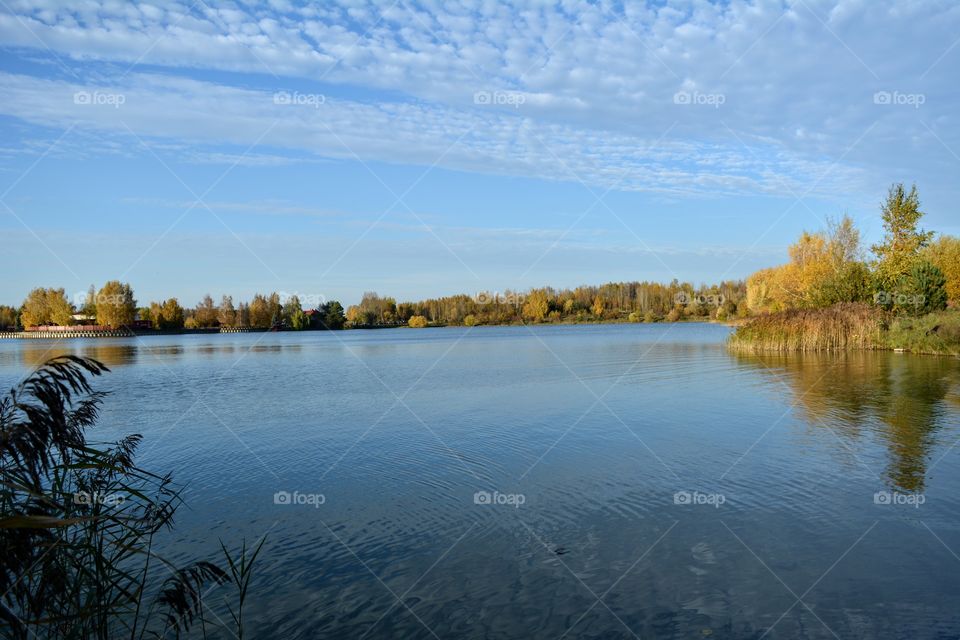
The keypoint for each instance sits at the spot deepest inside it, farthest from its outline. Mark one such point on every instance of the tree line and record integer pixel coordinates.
(910, 271)
(114, 305)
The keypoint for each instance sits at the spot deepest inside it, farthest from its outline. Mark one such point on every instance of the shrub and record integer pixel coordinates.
(674, 315)
(417, 322)
(650, 316)
(470, 320)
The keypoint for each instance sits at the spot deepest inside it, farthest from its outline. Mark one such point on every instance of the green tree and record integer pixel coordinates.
(291, 306)
(902, 243)
(851, 282)
(331, 315)
(293, 314)
(922, 290)
(116, 306)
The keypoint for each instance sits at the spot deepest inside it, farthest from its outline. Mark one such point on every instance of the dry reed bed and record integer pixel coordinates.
(837, 328)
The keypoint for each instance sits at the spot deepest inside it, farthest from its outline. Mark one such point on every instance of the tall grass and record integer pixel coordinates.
(838, 328)
(78, 520)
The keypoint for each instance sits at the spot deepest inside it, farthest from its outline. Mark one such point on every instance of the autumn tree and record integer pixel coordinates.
(227, 315)
(167, 316)
(597, 307)
(8, 317)
(115, 304)
(536, 306)
(45, 307)
(903, 241)
(205, 315)
(260, 312)
(945, 255)
(275, 308)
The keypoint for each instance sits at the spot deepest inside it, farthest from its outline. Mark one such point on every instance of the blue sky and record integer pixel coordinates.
(423, 149)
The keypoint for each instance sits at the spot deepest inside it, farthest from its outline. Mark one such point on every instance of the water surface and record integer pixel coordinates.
(650, 483)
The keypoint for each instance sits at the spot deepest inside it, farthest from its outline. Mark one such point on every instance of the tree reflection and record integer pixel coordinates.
(904, 401)
(32, 355)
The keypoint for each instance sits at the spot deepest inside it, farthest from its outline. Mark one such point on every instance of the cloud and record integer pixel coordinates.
(797, 81)
(196, 119)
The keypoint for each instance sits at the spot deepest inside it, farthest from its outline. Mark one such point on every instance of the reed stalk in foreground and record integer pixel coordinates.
(78, 522)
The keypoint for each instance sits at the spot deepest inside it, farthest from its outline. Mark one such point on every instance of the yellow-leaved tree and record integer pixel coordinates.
(115, 304)
(46, 306)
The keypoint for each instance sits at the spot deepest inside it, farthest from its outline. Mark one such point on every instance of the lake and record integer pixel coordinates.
(608, 481)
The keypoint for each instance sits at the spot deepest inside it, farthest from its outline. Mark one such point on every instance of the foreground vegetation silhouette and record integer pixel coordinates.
(78, 522)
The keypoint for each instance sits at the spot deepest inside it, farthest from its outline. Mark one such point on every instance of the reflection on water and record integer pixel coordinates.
(36, 352)
(30, 354)
(903, 399)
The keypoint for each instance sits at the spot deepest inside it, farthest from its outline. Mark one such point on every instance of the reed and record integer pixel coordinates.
(78, 521)
(842, 327)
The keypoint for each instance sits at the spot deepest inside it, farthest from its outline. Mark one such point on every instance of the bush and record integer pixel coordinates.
(635, 317)
(417, 322)
(674, 315)
(470, 320)
(650, 316)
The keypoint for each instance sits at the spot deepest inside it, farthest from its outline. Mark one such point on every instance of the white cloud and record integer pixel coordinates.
(167, 112)
(797, 80)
